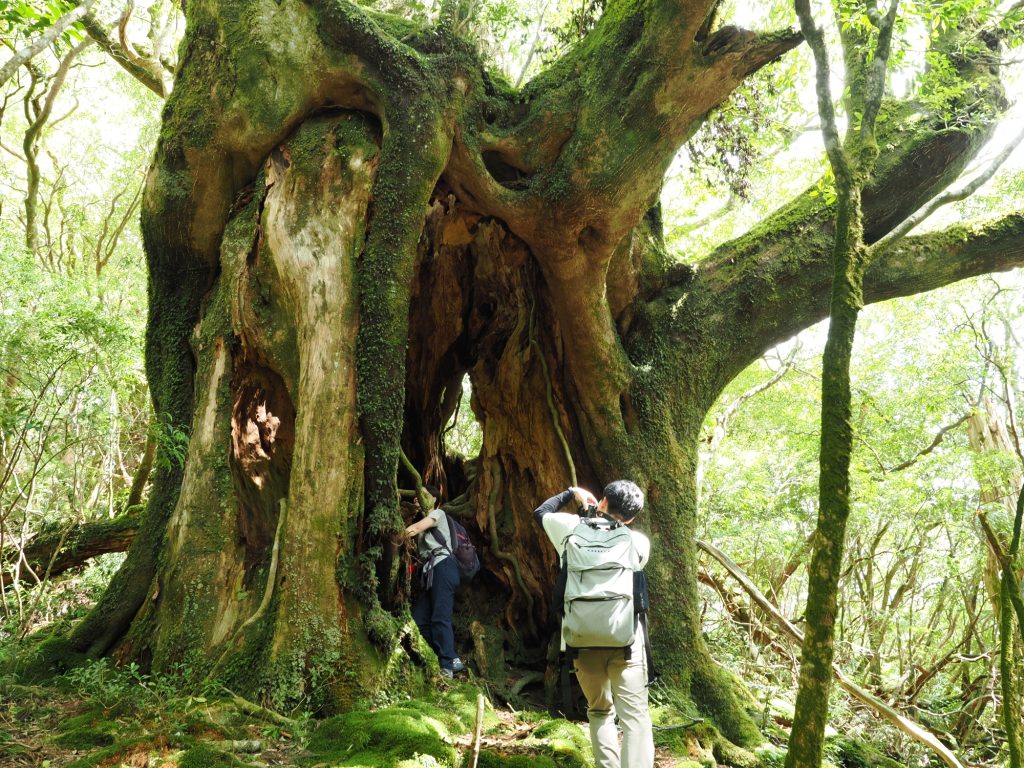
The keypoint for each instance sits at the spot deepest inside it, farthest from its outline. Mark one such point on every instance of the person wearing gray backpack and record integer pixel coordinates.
(602, 561)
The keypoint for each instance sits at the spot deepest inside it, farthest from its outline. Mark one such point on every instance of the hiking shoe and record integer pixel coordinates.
(457, 665)
(447, 673)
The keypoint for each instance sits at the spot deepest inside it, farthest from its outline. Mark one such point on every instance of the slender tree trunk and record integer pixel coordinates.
(1008, 678)
(806, 743)
(852, 164)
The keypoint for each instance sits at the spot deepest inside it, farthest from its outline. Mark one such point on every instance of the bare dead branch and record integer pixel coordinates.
(901, 722)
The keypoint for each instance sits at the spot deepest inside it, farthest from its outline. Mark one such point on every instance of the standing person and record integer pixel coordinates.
(438, 577)
(614, 681)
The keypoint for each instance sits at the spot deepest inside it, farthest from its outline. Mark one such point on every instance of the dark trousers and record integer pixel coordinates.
(432, 610)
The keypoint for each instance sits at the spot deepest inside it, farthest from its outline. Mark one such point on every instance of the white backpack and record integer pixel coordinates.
(598, 609)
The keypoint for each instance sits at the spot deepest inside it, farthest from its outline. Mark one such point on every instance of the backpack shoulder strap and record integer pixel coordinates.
(436, 534)
(652, 671)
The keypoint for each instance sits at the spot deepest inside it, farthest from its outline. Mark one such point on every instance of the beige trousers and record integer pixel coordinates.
(613, 686)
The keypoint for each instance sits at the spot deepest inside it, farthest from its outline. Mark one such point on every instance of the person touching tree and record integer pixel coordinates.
(437, 577)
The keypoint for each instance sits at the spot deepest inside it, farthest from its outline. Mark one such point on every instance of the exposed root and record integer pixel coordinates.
(492, 524)
(547, 389)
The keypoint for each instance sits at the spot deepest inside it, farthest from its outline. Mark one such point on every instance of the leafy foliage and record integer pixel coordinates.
(28, 18)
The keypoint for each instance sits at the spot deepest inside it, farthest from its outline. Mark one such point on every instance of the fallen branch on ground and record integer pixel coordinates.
(883, 710)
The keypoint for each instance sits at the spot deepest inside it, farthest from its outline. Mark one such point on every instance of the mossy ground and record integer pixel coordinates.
(100, 716)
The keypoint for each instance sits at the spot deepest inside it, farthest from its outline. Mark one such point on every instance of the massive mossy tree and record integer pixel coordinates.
(347, 214)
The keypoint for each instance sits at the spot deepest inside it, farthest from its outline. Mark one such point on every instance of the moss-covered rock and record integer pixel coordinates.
(385, 738)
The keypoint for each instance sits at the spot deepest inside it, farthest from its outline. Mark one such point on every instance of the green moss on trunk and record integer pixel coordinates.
(807, 737)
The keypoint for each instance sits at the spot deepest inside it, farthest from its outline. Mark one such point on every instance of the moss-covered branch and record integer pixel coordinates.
(615, 109)
(914, 265)
(773, 282)
(59, 550)
(768, 284)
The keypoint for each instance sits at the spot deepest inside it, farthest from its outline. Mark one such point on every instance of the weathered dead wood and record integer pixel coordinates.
(883, 710)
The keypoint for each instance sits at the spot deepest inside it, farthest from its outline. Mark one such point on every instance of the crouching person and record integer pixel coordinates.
(599, 556)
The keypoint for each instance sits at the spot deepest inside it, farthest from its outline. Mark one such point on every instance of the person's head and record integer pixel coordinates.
(436, 494)
(623, 500)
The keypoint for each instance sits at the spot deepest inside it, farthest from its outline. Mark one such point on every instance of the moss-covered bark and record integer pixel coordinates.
(853, 162)
(317, 293)
(807, 740)
(1008, 679)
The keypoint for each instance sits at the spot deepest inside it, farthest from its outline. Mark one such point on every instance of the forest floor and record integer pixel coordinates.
(105, 718)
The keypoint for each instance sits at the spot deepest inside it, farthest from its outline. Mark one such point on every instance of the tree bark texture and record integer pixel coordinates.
(853, 162)
(345, 216)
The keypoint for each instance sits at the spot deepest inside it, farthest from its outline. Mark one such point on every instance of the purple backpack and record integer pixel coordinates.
(465, 552)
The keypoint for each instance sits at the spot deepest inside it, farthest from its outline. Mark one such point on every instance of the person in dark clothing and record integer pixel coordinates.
(439, 576)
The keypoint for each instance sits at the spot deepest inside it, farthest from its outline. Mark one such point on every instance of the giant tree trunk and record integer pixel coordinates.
(275, 419)
(344, 217)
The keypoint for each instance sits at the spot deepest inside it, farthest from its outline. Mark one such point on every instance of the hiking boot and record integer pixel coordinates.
(447, 673)
(457, 665)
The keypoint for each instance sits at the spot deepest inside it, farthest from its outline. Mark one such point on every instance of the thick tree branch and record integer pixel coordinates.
(770, 283)
(951, 197)
(146, 71)
(931, 261)
(64, 550)
(789, 301)
(653, 74)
